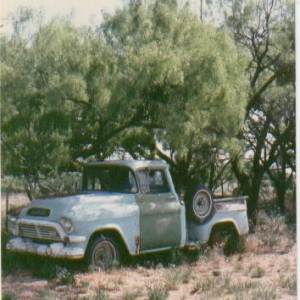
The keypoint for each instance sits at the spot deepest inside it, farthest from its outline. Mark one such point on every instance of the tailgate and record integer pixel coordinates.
(235, 203)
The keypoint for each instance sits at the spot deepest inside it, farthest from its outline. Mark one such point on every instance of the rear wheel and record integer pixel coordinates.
(103, 252)
(227, 238)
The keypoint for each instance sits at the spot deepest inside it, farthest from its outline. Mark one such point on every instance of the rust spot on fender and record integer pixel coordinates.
(137, 240)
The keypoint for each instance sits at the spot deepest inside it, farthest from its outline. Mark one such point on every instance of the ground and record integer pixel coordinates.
(266, 270)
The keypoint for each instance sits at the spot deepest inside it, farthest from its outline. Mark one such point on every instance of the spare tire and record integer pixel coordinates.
(201, 206)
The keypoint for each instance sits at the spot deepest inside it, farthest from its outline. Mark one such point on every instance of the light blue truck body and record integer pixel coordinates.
(144, 220)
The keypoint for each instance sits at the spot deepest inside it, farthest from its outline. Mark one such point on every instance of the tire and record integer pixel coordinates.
(102, 253)
(227, 239)
(201, 206)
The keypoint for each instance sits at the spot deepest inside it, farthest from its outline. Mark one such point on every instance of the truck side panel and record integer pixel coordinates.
(228, 212)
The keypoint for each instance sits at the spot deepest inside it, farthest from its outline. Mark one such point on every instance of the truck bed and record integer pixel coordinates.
(227, 210)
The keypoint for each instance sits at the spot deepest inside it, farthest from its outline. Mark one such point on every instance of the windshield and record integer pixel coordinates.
(109, 178)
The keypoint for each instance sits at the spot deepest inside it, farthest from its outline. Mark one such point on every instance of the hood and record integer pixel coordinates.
(75, 204)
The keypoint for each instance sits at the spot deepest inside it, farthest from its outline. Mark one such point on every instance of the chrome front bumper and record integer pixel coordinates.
(57, 250)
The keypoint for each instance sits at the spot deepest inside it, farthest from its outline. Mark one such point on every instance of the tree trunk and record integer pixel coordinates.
(254, 195)
(250, 186)
(281, 191)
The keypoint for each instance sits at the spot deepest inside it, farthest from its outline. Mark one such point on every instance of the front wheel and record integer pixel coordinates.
(103, 253)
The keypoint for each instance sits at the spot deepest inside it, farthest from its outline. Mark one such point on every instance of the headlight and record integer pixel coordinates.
(67, 224)
(11, 225)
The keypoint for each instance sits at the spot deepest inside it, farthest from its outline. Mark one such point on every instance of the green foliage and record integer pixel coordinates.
(77, 93)
(185, 84)
(172, 63)
(35, 123)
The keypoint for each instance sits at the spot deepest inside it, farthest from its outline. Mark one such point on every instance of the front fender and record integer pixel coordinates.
(126, 228)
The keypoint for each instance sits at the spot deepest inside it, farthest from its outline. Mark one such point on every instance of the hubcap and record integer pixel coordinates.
(103, 255)
(201, 204)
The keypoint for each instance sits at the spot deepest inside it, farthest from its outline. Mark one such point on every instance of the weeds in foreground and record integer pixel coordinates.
(157, 292)
(289, 283)
(131, 295)
(45, 294)
(203, 285)
(238, 267)
(101, 294)
(272, 234)
(176, 276)
(238, 288)
(64, 277)
(257, 272)
(186, 275)
(172, 280)
(264, 294)
(216, 273)
(218, 285)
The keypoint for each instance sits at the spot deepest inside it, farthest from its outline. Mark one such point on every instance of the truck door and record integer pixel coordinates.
(159, 210)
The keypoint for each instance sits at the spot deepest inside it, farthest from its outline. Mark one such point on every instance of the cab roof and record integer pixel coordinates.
(133, 164)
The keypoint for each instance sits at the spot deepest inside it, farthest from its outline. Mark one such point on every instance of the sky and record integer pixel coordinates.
(81, 10)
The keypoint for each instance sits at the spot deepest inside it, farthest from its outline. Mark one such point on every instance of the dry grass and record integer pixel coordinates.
(267, 270)
(272, 235)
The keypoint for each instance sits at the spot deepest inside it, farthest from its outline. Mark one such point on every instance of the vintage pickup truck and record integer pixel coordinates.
(124, 206)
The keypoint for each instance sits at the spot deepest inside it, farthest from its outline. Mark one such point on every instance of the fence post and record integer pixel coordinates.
(6, 210)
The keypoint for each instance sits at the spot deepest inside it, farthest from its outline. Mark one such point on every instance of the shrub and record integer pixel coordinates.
(64, 277)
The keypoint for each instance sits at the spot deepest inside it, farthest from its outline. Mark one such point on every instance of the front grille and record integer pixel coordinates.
(39, 232)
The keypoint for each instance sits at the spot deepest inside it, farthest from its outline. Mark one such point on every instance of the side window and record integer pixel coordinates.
(144, 181)
(158, 182)
(153, 181)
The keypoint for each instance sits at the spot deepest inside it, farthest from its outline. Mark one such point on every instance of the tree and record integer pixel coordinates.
(265, 30)
(40, 86)
(182, 79)
(152, 81)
